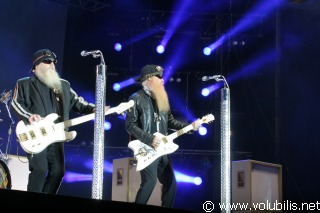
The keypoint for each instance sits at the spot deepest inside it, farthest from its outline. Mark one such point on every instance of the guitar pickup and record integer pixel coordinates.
(23, 137)
(43, 131)
(33, 136)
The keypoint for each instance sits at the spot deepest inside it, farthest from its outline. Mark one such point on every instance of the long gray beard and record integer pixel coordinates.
(51, 79)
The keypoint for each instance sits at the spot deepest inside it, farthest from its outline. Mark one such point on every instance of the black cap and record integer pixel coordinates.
(43, 54)
(148, 71)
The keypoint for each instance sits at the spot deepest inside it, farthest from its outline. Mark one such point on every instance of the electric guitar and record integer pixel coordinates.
(146, 154)
(35, 137)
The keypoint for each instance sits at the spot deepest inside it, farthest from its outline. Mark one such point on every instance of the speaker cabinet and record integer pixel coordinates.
(256, 183)
(19, 172)
(126, 182)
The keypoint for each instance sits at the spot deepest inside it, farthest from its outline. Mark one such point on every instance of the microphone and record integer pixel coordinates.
(5, 96)
(215, 77)
(91, 52)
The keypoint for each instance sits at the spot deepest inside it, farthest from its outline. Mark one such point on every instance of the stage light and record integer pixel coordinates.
(160, 49)
(120, 85)
(205, 92)
(207, 51)
(107, 125)
(180, 177)
(236, 43)
(177, 80)
(116, 87)
(118, 47)
(197, 181)
(202, 130)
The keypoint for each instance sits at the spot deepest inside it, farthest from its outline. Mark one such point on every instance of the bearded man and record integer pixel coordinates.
(150, 114)
(36, 97)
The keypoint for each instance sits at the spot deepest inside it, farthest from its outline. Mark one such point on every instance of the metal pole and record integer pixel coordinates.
(225, 162)
(225, 149)
(98, 146)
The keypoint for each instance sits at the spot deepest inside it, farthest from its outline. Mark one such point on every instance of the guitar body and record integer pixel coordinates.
(35, 137)
(145, 154)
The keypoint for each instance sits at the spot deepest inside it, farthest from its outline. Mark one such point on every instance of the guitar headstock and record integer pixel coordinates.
(124, 106)
(207, 118)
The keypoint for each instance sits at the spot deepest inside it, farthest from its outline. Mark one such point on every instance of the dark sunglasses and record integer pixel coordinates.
(48, 61)
(159, 76)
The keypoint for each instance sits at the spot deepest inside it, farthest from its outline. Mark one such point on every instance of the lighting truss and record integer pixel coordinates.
(91, 5)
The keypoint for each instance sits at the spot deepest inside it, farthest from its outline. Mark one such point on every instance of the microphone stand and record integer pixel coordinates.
(98, 146)
(225, 162)
(4, 99)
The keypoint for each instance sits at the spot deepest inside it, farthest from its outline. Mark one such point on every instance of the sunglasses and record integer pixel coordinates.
(159, 76)
(48, 61)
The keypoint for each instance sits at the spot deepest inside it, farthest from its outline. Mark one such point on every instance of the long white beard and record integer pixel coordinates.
(50, 78)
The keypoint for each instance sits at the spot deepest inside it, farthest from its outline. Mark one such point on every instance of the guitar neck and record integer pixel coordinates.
(84, 118)
(78, 120)
(180, 132)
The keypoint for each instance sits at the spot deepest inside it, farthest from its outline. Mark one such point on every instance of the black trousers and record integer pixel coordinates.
(47, 169)
(159, 169)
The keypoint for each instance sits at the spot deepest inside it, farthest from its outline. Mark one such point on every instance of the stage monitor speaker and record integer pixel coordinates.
(256, 183)
(19, 172)
(126, 182)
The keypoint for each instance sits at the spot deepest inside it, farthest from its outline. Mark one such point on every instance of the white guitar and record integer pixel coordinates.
(35, 137)
(145, 154)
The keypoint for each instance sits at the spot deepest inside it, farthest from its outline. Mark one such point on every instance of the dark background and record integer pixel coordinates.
(273, 81)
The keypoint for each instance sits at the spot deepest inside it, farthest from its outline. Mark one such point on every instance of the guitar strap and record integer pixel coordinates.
(58, 102)
(156, 114)
(157, 120)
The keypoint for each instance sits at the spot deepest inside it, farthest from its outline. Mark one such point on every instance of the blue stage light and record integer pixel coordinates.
(197, 181)
(118, 47)
(205, 92)
(107, 125)
(207, 51)
(202, 130)
(116, 87)
(160, 49)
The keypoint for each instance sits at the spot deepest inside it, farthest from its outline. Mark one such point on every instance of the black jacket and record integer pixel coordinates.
(141, 119)
(30, 98)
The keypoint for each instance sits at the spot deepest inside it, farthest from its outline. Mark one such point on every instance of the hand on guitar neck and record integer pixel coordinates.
(157, 140)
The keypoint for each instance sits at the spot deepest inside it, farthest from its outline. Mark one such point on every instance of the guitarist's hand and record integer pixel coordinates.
(34, 118)
(196, 124)
(156, 142)
(105, 109)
